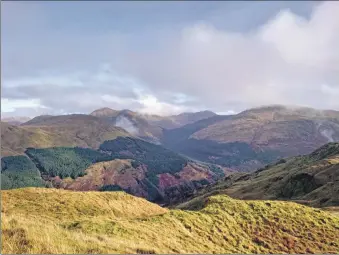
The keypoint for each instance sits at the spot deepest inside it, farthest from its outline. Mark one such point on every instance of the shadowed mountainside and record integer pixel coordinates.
(255, 137)
(130, 164)
(312, 179)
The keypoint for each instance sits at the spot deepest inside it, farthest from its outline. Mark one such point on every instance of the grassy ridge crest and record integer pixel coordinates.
(38, 220)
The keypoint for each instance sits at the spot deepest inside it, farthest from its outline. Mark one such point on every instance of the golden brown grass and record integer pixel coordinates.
(37, 220)
(16, 139)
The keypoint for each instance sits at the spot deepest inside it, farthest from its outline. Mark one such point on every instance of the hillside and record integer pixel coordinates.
(182, 119)
(148, 126)
(130, 164)
(53, 131)
(15, 139)
(49, 221)
(134, 123)
(290, 131)
(312, 179)
(167, 122)
(261, 134)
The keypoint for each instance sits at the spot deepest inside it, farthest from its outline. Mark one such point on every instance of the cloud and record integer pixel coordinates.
(12, 105)
(285, 61)
(288, 60)
(127, 125)
(83, 92)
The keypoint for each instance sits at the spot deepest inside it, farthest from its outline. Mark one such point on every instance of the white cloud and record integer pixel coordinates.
(10, 105)
(150, 104)
(286, 61)
(289, 60)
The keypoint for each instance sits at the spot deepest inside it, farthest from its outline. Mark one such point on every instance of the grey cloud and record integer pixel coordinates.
(289, 60)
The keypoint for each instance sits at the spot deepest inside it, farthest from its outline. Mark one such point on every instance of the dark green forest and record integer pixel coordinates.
(65, 162)
(157, 158)
(23, 171)
(18, 172)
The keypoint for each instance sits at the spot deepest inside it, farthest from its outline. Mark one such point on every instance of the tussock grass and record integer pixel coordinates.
(37, 220)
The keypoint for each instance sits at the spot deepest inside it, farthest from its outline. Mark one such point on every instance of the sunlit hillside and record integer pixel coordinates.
(38, 220)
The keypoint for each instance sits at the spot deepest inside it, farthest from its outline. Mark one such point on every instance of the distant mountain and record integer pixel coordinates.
(15, 120)
(49, 131)
(175, 121)
(15, 139)
(134, 123)
(255, 137)
(105, 112)
(38, 120)
(190, 117)
(311, 179)
(125, 163)
(245, 141)
(148, 126)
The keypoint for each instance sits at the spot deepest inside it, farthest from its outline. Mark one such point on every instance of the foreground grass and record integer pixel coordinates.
(37, 220)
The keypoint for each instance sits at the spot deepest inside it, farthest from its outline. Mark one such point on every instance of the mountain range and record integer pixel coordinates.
(164, 159)
(244, 141)
(84, 175)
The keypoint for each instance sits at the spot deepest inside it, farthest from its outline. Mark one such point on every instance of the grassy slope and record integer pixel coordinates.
(56, 221)
(311, 179)
(291, 131)
(55, 131)
(15, 139)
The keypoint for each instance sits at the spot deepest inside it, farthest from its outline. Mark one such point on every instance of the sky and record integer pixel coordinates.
(167, 57)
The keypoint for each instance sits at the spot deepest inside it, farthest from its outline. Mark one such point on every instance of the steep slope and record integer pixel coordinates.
(262, 134)
(133, 165)
(312, 179)
(51, 131)
(42, 221)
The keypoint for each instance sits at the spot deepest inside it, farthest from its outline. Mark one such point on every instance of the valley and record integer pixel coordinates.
(312, 180)
(162, 162)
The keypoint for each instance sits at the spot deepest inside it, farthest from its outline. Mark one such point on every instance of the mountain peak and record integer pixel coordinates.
(104, 112)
